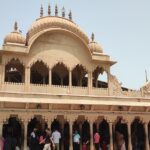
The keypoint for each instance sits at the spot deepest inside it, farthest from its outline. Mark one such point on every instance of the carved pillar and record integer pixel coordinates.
(89, 81)
(1, 128)
(70, 80)
(129, 136)
(71, 134)
(25, 133)
(146, 134)
(111, 135)
(27, 75)
(91, 133)
(50, 76)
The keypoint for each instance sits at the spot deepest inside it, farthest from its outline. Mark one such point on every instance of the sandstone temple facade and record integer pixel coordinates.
(52, 77)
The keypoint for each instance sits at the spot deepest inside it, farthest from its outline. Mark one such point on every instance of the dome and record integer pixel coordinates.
(95, 47)
(15, 36)
(44, 23)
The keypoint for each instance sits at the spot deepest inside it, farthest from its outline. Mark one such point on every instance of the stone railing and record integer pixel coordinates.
(57, 89)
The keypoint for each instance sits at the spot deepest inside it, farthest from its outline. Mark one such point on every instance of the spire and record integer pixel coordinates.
(49, 10)
(70, 15)
(56, 10)
(41, 11)
(92, 37)
(146, 78)
(63, 12)
(15, 26)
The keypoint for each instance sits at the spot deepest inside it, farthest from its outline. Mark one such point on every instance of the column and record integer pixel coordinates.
(90, 84)
(91, 133)
(129, 136)
(50, 77)
(1, 128)
(146, 134)
(27, 75)
(71, 134)
(70, 80)
(111, 135)
(25, 134)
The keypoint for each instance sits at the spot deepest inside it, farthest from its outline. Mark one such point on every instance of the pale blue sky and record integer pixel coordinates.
(121, 26)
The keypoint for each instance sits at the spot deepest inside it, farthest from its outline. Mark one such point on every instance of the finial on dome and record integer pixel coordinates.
(70, 15)
(15, 26)
(56, 10)
(41, 11)
(63, 12)
(49, 9)
(92, 37)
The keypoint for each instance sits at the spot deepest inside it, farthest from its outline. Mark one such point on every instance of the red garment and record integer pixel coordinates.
(84, 147)
(96, 138)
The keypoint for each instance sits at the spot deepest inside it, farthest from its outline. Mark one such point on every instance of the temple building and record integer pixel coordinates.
(53, 77)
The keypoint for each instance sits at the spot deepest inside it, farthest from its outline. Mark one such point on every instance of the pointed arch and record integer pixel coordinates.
(60, 74)
(79, 76)
(39, 73)
(14, 71)
(99, 78)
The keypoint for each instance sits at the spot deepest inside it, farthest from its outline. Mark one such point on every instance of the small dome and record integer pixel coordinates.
(95, 47)
(15, 36)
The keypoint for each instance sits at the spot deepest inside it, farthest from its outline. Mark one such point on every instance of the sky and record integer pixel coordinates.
(122, 27)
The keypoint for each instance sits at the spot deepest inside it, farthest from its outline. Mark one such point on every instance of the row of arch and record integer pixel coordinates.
(15, 128)
(39, 74)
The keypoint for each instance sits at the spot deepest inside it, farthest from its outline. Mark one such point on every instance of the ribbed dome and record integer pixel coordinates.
(95, 47)
(15, 36)
(56, 22)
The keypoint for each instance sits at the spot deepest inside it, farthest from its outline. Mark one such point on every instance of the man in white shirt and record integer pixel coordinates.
(56, 136)
(76, 141)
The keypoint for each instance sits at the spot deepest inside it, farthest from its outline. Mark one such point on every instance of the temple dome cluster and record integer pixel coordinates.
(49, 22)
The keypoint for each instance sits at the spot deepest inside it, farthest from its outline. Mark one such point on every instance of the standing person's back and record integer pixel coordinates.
(56, 136)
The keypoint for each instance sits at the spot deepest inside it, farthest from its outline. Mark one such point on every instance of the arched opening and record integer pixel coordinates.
(66, 136)
(40, 125)
(100, 78)
(79, 76)
(39, 73)
(121, 134)
(138, 135)
(13, 133)
(104, 134)
(60, 75)
(57, 126)
(14, 71)
(86, 134)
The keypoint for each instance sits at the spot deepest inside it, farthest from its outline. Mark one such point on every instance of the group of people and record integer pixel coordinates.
(45, 141)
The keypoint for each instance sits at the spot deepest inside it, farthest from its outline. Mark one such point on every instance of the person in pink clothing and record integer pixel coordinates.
(1, 143)
(84, 146)
(96, 140)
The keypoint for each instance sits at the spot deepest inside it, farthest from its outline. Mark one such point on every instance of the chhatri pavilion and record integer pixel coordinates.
(52, 77)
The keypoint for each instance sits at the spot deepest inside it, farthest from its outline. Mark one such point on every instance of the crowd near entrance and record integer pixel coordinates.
(60, 135)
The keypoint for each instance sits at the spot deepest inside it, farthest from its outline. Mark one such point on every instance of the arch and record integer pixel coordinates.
(39, 73)
(60, 75)
(79, 76)
(38, 123)
(13, 129)
(35, 37)
(121, 134)
(104, 134)
(86, 133)
(138, 134)
(100, 78)
(66, 136)
(14, 71)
